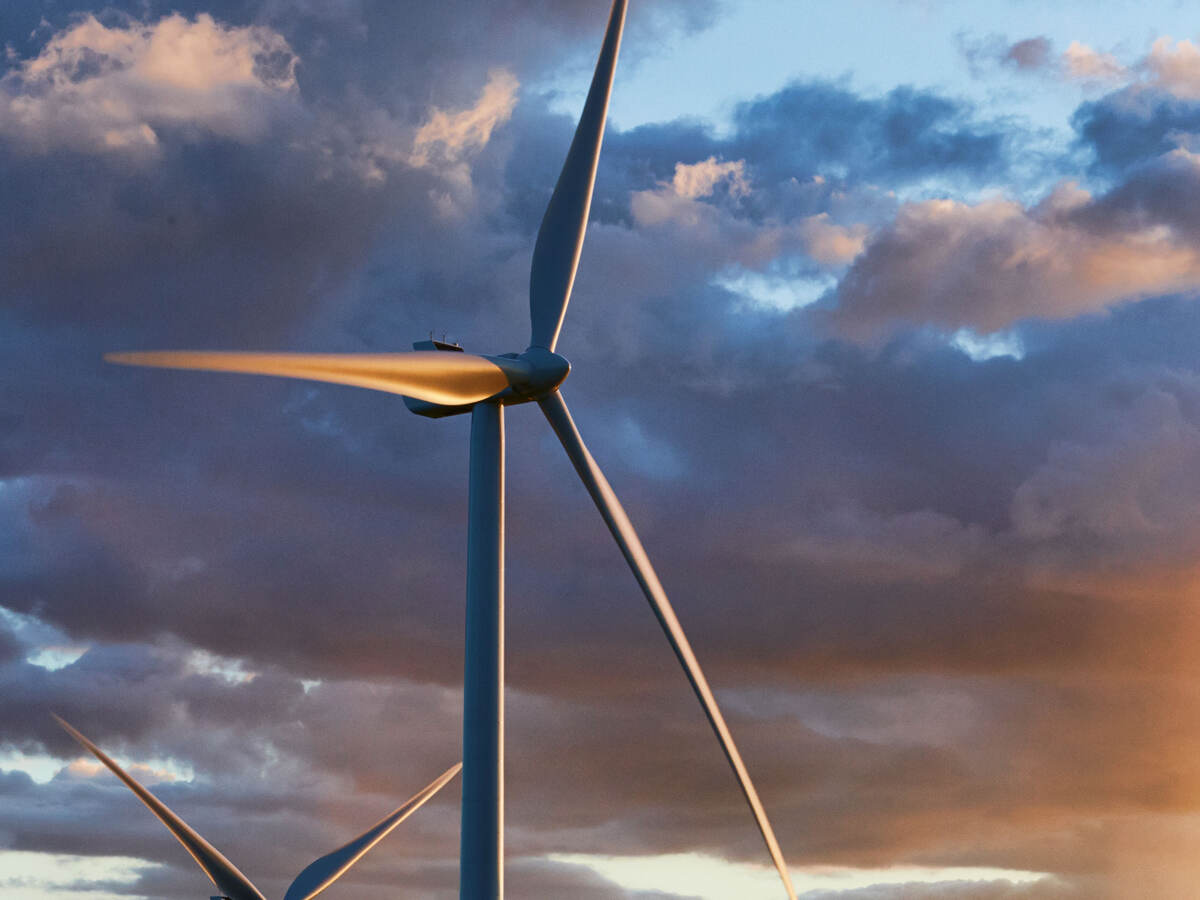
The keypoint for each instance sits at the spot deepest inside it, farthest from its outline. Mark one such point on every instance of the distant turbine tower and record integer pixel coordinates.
(441, 380)
(225, 875)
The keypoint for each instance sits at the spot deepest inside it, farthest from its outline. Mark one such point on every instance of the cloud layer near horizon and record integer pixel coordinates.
(945, 600)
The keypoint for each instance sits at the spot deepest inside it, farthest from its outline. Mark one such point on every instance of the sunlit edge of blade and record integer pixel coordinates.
(558, 240)
(332, 866)
(555, 409)
(191, 840)
(449, 379)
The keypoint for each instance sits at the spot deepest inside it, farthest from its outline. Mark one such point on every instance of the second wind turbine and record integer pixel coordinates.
(439, 380)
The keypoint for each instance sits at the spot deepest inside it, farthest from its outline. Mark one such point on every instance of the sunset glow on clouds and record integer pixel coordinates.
(94, 86)
(885, 332)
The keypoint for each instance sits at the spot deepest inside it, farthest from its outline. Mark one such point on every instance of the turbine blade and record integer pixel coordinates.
(436, 377)
(618, 523)
(329, 868)
(221, 871)
(560, 239)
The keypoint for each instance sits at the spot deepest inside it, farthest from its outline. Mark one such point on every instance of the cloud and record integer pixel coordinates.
(1030, 53)
(911, 546)
(1175, 69)
(716, 236)
(906, 134)
(702, 209)
(904, 432)
(101, 88)
(1082, 63)
(1167, 70)
(1119, 514)
(1128, 128)
(701, 179)
(830, 244)
(450, 136)
(959, 588)
(988, 265)
(1036, 56)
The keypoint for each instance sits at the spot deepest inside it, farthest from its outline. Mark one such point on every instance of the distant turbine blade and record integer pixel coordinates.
(223, 873)
(329, 868)
(618, 523)
(445, 378)
(560, 239)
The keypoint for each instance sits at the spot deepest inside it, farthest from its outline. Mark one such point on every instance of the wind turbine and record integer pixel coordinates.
(439, 379)
(317, 876)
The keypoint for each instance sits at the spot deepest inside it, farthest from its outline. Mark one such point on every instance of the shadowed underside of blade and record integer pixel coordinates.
(443, 378)
(329, 868)
(224, 874)
(560, 239)
(555, 409)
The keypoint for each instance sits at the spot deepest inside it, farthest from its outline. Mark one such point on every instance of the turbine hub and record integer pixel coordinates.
(547, 370)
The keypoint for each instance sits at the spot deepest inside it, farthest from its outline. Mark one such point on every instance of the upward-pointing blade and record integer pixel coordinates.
(452, 379)
(329, 868)
(618, 523)
(560, 239)
(223, 873)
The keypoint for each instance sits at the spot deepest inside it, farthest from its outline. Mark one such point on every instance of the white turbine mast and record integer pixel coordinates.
(439, 380)
(317, 876)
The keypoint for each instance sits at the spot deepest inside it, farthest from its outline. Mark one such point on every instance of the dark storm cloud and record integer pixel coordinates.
(823, 511)
(906, 134)
(10, 647)
(1131, 126)
(843, 506)
(947, 626)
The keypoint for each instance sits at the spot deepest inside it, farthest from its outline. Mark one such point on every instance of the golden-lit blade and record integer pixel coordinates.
(631, 547)
(447, 378)
(329, 868)
(223, 873)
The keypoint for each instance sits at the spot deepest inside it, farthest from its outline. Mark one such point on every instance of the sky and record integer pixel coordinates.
(884, 332)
